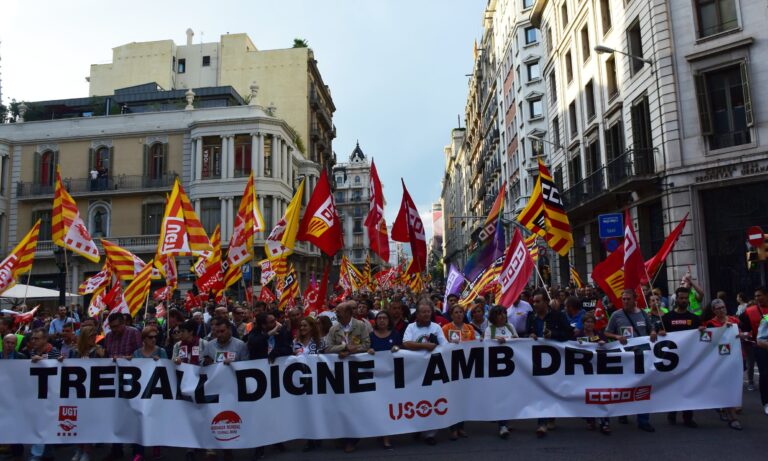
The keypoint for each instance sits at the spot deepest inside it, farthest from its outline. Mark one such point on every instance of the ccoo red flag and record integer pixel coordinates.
(409, 228)
(375, 222)
(321, 224)
(516, 270)
(634, 268)
(653, 265)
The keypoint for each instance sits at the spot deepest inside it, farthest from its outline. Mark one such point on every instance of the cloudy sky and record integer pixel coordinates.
(396, 67)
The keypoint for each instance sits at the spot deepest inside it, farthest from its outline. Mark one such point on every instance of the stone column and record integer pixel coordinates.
(275, 210)
(254, 154)
(260, 155)
(197, 207)
(198, 160)
(276, 143)
(260, 198)
(231, 156)
(307, 188)
(230, 216)
(284, 157)
(223, 214)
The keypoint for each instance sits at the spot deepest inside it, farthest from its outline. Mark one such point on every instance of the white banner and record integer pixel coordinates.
(255, 403)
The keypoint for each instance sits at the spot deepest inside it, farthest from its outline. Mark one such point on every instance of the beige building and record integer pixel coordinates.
(353, 202)
(289, 80)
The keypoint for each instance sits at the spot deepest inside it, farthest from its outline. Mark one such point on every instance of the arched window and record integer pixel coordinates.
(99, 219)
(357, 179)
(156, 161)
(47, 169)
(101, 161)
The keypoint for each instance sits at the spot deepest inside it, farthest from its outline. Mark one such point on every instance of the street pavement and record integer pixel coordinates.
(712, 440)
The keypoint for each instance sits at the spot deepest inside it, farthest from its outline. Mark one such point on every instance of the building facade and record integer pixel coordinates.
(289, 79)
(352, 197)
(119, 169)
(615, 117)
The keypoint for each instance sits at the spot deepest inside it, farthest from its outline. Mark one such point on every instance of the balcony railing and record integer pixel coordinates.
(633, 164)
(133, 243)
(83, 186)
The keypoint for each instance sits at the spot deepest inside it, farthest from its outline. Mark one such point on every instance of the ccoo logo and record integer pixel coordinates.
(422, 409)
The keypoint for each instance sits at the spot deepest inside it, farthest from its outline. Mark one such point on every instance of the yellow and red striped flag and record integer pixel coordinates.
(290, 289)
(559, 236)
(125, 265)
(67, 226)
(282, 239)
(208, 269)
(533, 248)
(136, 292)
(24, 251)
(96, 282)
(575, 278)
(166, 266)
(181, 231)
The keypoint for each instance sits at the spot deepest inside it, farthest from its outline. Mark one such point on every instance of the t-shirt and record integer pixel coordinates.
(714, 322)
(516, 315)
(235, 350)
(493, 332)
(762, 329)
(588, 304)
(620, 324)
(385, 344)
(676, 321)
(429, 334)
(454, 334)
(575, 321)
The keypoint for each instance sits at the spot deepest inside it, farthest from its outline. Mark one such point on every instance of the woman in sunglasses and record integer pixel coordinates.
(149, 348)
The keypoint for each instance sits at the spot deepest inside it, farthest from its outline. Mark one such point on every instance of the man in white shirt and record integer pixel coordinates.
(517, 313)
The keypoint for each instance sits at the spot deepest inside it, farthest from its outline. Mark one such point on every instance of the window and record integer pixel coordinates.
(612, 84)
(572, 121)
(558, 178)
(589, 99)
(534, 71)
(574, 169)
(45, 223)
(155, 161)
(358, 226)
(269, 223)
(614, 141)
(206, 61)
(152, 218)
(535, 108)
(528, 4)
(182, 66)
(339, 180)
(242, 156)
(211, 157)
(46, 171)
(715, 16)
(357, 179)
(635, 45)
(593, 156)
(605, 15)
(358, 212)
(568, 67)
(210, 214)
(268, 156)
(339, 197)
(3, 175)
(531, 35)
(556, 132)
(552, 87)
(549, 40)
(100, 160)
(586, 50)
(564, 14)
(725, 108)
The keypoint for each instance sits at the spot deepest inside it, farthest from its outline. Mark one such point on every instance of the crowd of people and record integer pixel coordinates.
(388, 320)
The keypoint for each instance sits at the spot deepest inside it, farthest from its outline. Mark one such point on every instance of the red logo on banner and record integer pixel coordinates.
(617, 395)
(226, 426)
(67, 421)
(422, 409)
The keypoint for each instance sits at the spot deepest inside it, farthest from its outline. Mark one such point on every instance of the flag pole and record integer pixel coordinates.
(26, 289)
(542, 282)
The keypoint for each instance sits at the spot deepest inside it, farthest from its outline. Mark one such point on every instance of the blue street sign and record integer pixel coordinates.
(612, 244)
(246, 269)
(610, 225)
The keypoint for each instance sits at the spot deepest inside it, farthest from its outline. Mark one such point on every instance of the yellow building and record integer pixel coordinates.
(289, 80)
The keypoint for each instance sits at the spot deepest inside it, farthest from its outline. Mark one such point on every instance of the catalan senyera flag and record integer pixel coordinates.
(368, 279)
(416, 283)
(136, 292)
(290, 289)
(125, 265)
(181, 232)
(545, 215)
(575, 278)
(67, 227)
(321, 224)
(24, 251)
(533, 248)
(350, 274)
(210, 268)
(282, 239)
(96, 282)
(247, 222)
(231, 275)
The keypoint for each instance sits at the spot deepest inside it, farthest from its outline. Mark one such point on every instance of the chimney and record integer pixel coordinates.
(190, 36)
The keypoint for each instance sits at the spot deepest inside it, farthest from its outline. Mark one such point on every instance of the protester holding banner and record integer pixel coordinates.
(477, 320)
(269, 339)
(761, 357)
(458, 330)
(574, 313)
(122, 339)
(349, 335)
(9, 353)
(149, 348)
(225, 348)
(308, 340)
(384, 338)
(517, 313)
(398, 315)
(190, 347)
(750, 322)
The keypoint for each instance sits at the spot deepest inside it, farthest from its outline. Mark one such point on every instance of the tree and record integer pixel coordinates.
(300, 43)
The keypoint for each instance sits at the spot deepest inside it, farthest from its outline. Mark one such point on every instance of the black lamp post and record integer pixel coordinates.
(59, 254)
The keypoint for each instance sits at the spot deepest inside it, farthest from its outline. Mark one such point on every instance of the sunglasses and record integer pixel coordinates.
(152, 337)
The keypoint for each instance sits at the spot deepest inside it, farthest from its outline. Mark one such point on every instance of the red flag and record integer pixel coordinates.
(601, 317)
(266, 295)
(409, 228)
(115, 301)
(634, 269)
(375, 222)
(609, 276)
(321, 224)
(516, 270)
(25, 318)
(249, 295)
(653, 265)
(191, 301)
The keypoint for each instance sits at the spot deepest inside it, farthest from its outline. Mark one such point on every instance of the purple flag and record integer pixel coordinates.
(453, 285)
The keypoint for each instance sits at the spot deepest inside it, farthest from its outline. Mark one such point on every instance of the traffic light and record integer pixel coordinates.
(752, 259)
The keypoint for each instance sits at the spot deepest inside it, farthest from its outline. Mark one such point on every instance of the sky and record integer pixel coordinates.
(396, 68)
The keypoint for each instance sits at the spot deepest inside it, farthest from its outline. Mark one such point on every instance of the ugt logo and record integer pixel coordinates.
(422, 409)
(67, 421)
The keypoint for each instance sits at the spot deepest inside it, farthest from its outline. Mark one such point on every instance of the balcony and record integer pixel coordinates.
(121, 184)
(633, 171)
(135, 244)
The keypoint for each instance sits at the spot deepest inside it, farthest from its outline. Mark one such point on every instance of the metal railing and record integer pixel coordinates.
(119, 183)
(129, 243)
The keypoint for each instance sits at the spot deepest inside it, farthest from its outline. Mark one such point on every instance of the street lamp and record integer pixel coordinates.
(61, 263)
(607, 49)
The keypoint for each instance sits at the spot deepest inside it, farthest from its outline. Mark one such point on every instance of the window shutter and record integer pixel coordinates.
(164, 170)
(38, 158)
(705, 111)
(91, 160)
(145, 167)
(144, 216)
(111, 168)
(747, 96)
